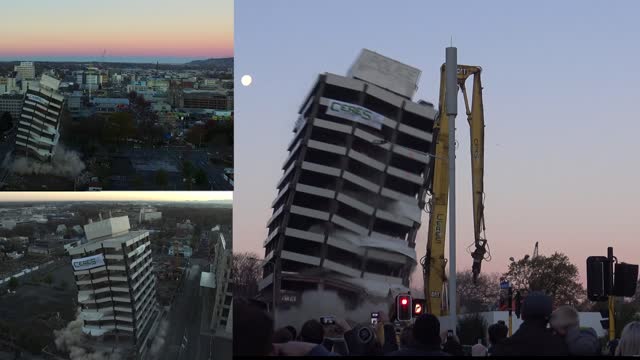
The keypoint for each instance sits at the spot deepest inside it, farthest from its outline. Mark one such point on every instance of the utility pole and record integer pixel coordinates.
(612, 299)
(451, 96)
(510, 299)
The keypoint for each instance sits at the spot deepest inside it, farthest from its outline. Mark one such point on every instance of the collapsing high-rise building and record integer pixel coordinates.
(42, 107)
(350, 200)
(116, 284)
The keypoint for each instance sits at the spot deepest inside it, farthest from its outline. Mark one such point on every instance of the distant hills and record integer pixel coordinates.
(220, 62)
(207, 65)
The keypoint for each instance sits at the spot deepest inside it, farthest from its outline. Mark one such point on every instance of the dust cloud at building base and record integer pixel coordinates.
(71, 339)
(64, 163)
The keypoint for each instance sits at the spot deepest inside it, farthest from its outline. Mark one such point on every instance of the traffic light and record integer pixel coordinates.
(404, 307)
(419, 306)
(598, 278)
(625, 280)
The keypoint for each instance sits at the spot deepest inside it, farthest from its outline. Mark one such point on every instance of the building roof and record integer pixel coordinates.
(208, 280)
(112, 242)
(112, 101)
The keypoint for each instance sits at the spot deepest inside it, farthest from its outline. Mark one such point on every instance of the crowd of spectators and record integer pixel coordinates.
(543, 332)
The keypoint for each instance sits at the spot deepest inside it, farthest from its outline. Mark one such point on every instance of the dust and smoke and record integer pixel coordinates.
(5, 162)
(65, 163)
(159, 339)
(315, 304)
(71, 339)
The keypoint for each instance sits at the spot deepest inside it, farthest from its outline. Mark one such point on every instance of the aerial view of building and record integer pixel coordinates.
(38, 134)
(116, 285)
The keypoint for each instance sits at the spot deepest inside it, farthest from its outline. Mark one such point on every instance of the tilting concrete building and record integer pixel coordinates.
(116, 284)
(38, 129)
(350, 200)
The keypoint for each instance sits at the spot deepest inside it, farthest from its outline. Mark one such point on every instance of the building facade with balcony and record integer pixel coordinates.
(350, 200)
(38, 129)
(116, 284)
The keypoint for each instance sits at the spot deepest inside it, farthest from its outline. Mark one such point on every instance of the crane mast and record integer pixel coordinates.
(434, 262)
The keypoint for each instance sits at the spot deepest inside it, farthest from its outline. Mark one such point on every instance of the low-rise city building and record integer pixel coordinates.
(12, 104)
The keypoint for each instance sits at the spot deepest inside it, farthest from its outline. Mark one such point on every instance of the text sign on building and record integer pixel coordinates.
(37, 99)
(289, 297)
(355, 113)
(87, 263)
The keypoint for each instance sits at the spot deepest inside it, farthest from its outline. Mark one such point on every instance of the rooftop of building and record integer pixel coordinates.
(208, 280)
(109, 100)
(203, 92)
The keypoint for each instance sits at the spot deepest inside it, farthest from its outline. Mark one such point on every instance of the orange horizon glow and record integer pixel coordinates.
(168, 196)
(190, 28)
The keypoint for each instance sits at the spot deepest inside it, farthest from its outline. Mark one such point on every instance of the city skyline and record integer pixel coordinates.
(160, 196)
(550, 100)
(123, 29)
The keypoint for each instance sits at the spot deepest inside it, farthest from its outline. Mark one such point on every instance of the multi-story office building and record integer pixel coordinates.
(26, 70)
(109, 105)
(89, 79)
(201, 99)
(40, 120)
(11, 104)
(218, 300)
(9, 85)
(149, 214)
(350, 200)
(116, 284)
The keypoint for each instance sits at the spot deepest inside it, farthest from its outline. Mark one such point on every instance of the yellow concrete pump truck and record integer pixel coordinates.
(434, 262)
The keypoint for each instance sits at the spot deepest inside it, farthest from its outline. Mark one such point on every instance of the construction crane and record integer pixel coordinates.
(434, 262)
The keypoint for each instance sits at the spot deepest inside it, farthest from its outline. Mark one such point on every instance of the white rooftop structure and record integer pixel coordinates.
(107, 227)
(208, 280)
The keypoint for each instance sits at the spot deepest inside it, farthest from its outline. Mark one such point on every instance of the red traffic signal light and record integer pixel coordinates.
(404, 307)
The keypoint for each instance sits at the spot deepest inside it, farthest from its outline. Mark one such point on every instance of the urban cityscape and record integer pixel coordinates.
(74, 126)
(116, 279)
(428, 189)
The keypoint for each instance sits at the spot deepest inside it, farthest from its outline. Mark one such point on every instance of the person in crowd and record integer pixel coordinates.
(479, 349)
(252, 330)
(292, 330)
(452, 345)
(362, 341)
(253, 335)
(282, 336)
(298, 348)
(612, 346)
(386, 333)
(406, 338)
(497, 333)
(629, 344)
(565, 321)
(426, 334)
(334, 337)
(312, 331)
(533, 338)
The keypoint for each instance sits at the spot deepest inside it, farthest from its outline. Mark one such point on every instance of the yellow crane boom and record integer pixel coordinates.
(434, 262)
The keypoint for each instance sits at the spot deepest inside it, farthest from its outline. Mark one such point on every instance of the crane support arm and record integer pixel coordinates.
(434, 261)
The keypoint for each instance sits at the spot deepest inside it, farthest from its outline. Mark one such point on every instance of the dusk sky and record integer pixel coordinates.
(117, 196)
(560, 99)
(186, 29)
